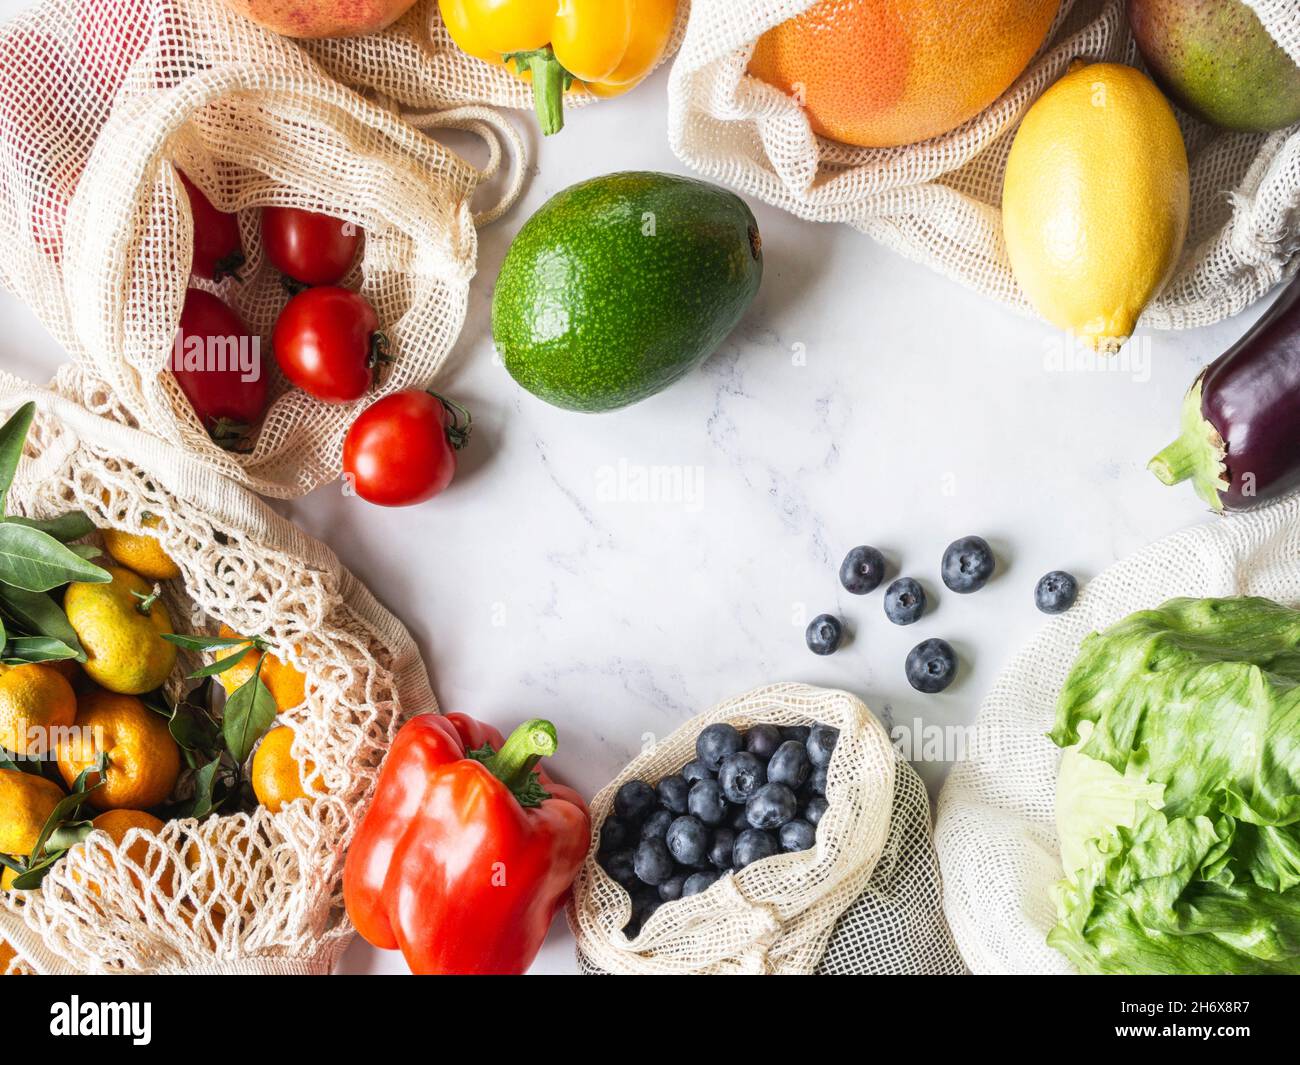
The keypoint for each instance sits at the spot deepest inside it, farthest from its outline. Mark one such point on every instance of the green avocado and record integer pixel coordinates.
(620, 285)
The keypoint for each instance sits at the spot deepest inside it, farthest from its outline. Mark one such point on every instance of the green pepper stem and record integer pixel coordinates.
(550, 80)
(526, 746)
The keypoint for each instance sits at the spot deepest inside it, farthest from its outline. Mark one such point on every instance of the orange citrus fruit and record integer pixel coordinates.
(143, 759)
(286, 684)
(121, 626)
(141, 552)
(27, 802)
(878, 74)
(7, 955)
(36, 702)
(277, 776)
(117, 823)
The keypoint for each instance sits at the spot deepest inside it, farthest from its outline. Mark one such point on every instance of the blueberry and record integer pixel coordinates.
(707, 802)
(753, 845)
(740, 775)
(738, 821)
(812, 812)
(790, 765)
(967, 564)
(862, 570)
(1056, 592)
(795, 732)
(616, 835)
(762, 741)
(689, 841)
(696, 770)
(671, 889)
(771, 806)
(652, 862)
(931, 666)
(821, 741)
(645, 900)
(656, 825)
(714, 743)
(797, 836)
(634, 801)
(904, 601)
(621, 868)
(697, 882)
(823, 634)
(720, 853)
(817, 781)
(672, 792)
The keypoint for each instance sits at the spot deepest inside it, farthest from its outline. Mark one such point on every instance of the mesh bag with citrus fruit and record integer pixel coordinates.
(898, 119)
(194, 701)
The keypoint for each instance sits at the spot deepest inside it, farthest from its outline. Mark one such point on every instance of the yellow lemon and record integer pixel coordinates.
(286, 684)
(36, 702)
(277, 776)
(120, 626)
(27, 802)
(140, 552)
(1096, 200)
(143, 759)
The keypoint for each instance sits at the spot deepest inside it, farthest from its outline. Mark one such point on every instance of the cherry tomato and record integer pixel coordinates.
(217, 251)
(327, 342)
(315, 249)
(402, 449)
(218, 365)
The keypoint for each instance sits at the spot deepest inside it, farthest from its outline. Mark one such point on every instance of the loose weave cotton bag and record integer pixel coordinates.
(864, 899)
(247, 892)
(101, 101)
(996, 831)
(939, 202)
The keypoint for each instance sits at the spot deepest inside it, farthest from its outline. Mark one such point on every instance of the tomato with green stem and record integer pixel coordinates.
(217, 363)
(327, 342)
(218, 253)
(309, 247)
(402, 449)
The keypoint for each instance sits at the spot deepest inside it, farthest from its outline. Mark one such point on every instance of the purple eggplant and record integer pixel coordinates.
(1240, 441)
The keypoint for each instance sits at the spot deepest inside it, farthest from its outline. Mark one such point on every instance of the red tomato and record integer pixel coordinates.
(402, 449)
(327, 342)
(111, 37)
(217, 251)
(219, 367)
(312, 248)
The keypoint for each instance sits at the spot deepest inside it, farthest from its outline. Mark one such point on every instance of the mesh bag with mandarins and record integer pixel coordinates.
(897, 119)
(104, 103)
(256, 890)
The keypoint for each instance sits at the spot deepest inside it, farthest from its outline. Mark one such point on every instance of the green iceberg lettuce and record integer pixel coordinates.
(1178, 798)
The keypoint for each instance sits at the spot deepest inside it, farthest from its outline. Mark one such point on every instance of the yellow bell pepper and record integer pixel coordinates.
(606, 45)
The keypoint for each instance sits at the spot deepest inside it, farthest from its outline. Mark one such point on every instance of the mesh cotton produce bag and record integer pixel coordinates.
(255, 892)
(939, 202)
(996, 832)
(98, 100)
(865, 899)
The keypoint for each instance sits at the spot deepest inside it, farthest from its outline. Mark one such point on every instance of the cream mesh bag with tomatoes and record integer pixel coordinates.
(939, 201)
(865, 899)
(242, 892)
(101, 101)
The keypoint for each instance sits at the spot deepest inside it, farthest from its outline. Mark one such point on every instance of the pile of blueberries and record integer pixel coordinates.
(746, 796)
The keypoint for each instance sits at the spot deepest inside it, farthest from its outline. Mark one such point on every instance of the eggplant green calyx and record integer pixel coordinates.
(1198, 454)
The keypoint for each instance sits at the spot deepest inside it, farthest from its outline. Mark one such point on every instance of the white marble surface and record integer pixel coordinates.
(862, 399)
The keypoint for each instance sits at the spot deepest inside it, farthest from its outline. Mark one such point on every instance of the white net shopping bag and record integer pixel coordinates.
(996, 832)
(939, 202)
(244, 892)
(102, 100)
(865, 898)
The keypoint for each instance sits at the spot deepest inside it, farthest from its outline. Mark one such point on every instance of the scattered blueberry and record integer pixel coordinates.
(821, 742)
(616, 835)
(967, 564)
(696, 770)
(689, 841)
(622, 869)
(720, 853)
(790, 765)
(656, 825)
(817, 781)
(753, 845)
(762, 741)
(672, 792)
(771, 806)
(671, 889)
(797, 836)
(823, 634)
(697, 882)
(812, 812)
(652, 862)
(904, 601)
(1056, 592)
(634, 801)
(798, 733)
(707, 802)
(862, 570)
(715, 742)
(740, 775)
(931, 666)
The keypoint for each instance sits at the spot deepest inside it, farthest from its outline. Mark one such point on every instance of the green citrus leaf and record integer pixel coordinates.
(35, 561)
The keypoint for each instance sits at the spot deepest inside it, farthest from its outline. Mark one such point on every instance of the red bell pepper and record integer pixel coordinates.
(468, 850)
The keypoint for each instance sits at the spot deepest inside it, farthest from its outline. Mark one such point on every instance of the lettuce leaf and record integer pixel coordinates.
(1178, 803)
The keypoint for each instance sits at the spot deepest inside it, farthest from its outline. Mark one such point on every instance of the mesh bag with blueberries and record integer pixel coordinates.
(779, 832)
